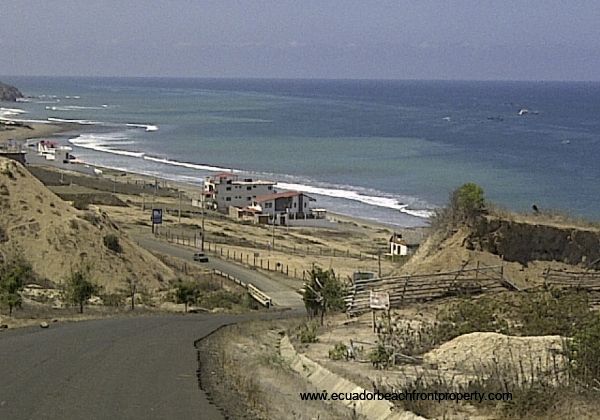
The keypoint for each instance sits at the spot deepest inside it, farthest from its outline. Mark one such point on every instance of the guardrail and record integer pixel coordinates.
(253, 291)
(259, 296)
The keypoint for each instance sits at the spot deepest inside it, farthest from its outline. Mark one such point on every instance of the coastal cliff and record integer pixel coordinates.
(9, 93)
(523, 242)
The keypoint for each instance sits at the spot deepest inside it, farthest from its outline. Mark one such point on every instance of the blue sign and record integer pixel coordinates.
(156, 216)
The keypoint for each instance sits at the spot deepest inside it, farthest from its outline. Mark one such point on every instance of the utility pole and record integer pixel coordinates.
(154, 196)
(179, 210)
(273, 234)
(379, 263)
(203, 210)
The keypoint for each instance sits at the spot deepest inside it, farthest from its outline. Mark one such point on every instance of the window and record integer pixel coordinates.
(270, 187)
(294, 205)
(248, 198)
(268, 205)
(228, 199)
(228, 188)
(304, 205)
(249, 188)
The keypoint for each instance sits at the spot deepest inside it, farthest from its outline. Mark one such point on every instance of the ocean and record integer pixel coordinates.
(390, 151)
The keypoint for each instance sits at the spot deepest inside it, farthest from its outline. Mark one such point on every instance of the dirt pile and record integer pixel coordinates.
(55, 237)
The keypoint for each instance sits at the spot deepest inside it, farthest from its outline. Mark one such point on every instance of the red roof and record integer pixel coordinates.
(269, 197)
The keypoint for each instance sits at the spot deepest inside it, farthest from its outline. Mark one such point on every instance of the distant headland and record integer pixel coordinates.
(9, 93)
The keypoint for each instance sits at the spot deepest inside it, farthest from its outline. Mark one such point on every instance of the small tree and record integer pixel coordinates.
(186, 292)
(467, 201)
(80, 287)
(465, 205)
(111, 241)
(323, 292)
(14, 273)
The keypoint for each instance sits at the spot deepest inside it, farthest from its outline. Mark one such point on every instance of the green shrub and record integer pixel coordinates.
(338, 352)
(584, 351)
(466, 204)
(381, 356)
(111, 241)
(307, 333)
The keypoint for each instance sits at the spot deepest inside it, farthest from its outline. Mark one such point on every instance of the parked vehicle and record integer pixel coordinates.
(200, 257)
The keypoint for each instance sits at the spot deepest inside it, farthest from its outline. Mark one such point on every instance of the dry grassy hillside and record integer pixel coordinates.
(54, 236)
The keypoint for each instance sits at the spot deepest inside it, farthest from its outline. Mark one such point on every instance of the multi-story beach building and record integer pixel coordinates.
(290, 205)
(226, 189)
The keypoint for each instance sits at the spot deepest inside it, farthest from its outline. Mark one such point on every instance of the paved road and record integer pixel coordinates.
(281, 294)
(127, 368)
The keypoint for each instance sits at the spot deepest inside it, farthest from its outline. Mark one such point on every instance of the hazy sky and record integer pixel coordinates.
(420, 39)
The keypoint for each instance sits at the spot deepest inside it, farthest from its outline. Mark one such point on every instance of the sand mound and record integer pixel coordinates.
(487, 351)
(54, 236)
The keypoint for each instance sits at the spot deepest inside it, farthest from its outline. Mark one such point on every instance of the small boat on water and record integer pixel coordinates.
(523, 111)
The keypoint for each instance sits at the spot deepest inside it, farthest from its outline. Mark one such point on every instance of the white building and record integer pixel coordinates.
(52, 151)
(398, 246)
(289, 205)
(226, 189)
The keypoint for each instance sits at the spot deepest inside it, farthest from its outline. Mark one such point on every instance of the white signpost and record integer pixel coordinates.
(381, 301)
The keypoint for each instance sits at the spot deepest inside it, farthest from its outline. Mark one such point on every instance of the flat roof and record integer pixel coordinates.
(285, 194)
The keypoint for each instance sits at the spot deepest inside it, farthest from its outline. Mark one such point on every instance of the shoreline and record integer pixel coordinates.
(38, 131)
(31, 131)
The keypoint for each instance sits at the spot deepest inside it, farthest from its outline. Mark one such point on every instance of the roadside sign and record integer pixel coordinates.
(156, 216)
(379, 300)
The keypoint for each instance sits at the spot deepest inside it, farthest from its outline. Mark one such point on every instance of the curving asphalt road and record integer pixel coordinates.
(282, 294)
(120, 368)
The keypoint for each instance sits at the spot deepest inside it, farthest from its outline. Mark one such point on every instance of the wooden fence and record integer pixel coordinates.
(424, 287)
(588, 281)
(189, 238)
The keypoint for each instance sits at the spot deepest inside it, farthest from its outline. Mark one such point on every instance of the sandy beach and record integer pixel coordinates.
(30, 131)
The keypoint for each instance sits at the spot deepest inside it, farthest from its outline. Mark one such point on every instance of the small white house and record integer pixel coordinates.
(398, 246)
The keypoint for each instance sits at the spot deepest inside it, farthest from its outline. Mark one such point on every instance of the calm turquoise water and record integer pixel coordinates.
(385, 150)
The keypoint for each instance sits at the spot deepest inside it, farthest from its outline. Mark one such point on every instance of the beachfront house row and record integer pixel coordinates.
(226, 189)
(285, 206)
(398, 246)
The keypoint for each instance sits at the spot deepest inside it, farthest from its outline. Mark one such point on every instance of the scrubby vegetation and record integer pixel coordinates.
(79, 286)
(465, 205)
(573, 371)
(307, 332)
(15, 272)
(323, 292)
(111, 241)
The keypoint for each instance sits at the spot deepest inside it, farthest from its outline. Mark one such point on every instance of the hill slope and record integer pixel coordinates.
(54, 236)
(526, 247)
